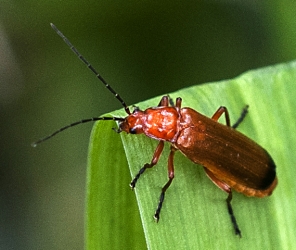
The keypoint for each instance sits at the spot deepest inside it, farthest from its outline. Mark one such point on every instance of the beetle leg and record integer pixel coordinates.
(242, 117)
(178, 102)
(223, 109)
(166, 186)
(153, 162)
(223, 186)
(164, 101)
(220, 112)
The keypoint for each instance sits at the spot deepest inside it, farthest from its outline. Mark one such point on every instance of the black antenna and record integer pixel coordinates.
(117, 96)
(34, 144)
(81, 57)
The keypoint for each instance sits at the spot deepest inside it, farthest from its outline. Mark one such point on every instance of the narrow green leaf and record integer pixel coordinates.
(194, 215)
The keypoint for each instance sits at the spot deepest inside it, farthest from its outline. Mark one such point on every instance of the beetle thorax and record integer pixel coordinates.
(160, 123)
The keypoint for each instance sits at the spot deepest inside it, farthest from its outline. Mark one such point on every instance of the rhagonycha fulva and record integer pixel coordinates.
(230, 159)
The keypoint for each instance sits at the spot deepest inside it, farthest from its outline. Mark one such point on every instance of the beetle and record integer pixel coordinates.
(231, 160)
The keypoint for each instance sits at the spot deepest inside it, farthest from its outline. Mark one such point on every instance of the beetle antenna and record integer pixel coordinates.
(34, 144)
(81, 57)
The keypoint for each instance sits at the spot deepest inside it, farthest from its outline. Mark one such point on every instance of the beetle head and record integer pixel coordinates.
(133, 123)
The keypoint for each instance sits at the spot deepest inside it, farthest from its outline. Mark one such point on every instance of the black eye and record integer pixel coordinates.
(133, 131)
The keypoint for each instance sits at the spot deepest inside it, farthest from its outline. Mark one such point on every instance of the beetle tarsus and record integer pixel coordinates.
(241, 118)
(141, 171)
(161, 199)
(158, 209)
(233, 220)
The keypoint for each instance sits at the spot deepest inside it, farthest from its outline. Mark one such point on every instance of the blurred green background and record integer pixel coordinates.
(143, 49)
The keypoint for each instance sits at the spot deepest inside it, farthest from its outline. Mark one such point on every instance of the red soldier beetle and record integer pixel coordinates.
(230, 159)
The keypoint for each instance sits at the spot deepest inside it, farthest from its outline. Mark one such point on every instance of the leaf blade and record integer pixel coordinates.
(194, 214)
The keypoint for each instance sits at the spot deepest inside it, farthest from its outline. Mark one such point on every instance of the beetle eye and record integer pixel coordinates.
(133, 131)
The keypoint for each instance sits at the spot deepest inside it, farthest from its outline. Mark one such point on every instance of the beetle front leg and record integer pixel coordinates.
(171, 175)
(223, 186)
(153, 162)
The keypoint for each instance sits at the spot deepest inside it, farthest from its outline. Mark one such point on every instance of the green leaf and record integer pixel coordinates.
(194, 214)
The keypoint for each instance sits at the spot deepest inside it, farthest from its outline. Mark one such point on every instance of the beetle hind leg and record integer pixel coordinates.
(223, 186)
(223, 110)
(230, 211)
(241, 118)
